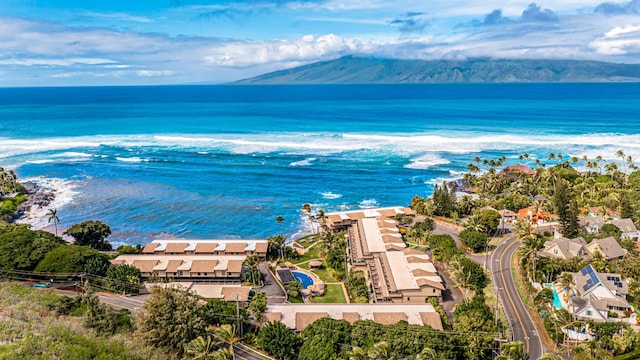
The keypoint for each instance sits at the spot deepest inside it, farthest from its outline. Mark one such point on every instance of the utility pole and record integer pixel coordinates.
(238, 315)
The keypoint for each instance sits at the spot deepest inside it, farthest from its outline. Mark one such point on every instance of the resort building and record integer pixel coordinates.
(397, 274)
(226, 292)
(299, 316)
(599, 296)
(194, 259)
(194, 267)
(207, 247)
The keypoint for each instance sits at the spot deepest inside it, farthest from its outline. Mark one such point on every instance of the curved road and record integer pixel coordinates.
(522, 327)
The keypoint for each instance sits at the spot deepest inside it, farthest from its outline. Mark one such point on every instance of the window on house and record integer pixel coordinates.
(205, 274)
(555, 251)
(198, 274)
(589, 313)
(223, 273)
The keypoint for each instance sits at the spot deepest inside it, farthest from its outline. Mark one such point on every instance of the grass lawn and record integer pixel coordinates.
(333, 295)
(308, 240)
(323, 274)
(313, 253)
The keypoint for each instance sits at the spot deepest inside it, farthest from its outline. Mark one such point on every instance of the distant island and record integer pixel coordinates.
(360, 70)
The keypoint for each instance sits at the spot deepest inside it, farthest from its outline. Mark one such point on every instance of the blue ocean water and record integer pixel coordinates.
(225, 161)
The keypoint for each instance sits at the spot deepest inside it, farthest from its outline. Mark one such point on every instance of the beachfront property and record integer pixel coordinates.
(397, 274)
(207, 247)
(564, 248)
(299, 316)
(194, 260)
(599, 296)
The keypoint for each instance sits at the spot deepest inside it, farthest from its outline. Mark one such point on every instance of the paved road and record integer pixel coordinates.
(522, 326)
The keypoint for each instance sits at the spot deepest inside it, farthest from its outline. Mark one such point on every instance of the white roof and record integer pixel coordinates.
(335, 311)
(372, 235)
(401, 271)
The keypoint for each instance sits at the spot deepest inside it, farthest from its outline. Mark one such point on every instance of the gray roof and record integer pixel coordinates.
(588, 279)
(569, 247)
(590, 221)
(626, 225)
(610, 248)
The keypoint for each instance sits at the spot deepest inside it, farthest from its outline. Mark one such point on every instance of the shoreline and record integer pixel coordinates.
(43, 194)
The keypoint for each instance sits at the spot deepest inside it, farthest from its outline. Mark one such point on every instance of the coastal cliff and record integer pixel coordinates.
(356, 70)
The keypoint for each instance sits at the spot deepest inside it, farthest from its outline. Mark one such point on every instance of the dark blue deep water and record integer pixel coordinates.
(225, 161)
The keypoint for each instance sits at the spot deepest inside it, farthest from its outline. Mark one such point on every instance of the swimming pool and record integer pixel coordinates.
(556, 300)
(304, 279)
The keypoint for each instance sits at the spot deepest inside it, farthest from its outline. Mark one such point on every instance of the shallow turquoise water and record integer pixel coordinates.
(304, 279)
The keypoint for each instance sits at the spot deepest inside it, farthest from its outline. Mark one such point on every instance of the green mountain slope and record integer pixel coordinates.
(352, 70)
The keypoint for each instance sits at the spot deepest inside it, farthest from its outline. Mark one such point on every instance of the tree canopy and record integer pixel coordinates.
(71, 259)
(91, 233)
(22, 248)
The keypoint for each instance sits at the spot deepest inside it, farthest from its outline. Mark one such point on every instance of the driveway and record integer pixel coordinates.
(273, 290)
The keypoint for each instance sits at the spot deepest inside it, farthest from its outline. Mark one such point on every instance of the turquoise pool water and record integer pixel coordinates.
(556, 300)
(304, 279)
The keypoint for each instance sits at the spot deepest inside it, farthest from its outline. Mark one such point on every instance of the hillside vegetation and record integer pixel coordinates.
(355, 70)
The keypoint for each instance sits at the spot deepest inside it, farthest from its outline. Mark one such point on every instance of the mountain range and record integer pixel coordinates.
(361, 70)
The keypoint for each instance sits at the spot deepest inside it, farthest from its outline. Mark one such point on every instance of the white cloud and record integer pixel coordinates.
(307, 48)
(154, 73)
(618, 30)
(618, 41)
(55, 61)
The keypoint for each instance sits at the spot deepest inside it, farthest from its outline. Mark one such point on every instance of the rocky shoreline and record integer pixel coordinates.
(39, 196)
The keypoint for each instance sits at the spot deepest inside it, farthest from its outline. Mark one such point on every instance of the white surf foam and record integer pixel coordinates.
(131, 159)
(305, 162)
(64, 192)
(426, 161)
(406, 145)
(369, 204)
(330, 195)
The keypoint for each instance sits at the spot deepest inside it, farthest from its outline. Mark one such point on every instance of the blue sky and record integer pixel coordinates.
(74, 42)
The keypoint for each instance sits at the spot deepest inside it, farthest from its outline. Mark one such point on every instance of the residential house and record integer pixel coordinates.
(628, 228)
(519, 168)
(599, 296)
(507, 215)
(592, 224)
(535, 217)
(564, 248)
(608, 247)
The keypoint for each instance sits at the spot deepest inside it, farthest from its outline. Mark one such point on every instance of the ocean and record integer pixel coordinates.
(206, 162)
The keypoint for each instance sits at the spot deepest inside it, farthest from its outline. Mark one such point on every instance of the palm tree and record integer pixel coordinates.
(528, 253)
(379, 351)
(566, 282)
(475, 222)
(280, 220)
(227, 334)
(356, 353)
(201, 348)
(622, 157)
(427, 354)
(53, 216)
(514, 351)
